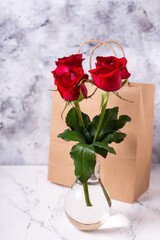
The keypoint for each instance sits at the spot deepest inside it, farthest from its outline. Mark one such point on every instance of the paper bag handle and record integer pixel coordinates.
(98, 45)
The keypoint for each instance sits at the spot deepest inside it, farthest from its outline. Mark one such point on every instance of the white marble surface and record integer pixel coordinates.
(32, 208)
(33, 34)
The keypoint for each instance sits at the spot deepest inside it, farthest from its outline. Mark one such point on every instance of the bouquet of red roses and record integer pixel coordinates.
(93, 136)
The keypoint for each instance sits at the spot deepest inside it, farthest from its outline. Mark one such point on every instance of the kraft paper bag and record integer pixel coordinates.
(126, 175)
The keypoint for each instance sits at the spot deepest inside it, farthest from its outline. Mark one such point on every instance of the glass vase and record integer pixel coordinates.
(85, 217)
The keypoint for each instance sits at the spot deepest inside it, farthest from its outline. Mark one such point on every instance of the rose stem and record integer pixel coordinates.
(86, 193)
(101, 118)
(95, 137)
(78, 110)
(85, 185)
(106, 194)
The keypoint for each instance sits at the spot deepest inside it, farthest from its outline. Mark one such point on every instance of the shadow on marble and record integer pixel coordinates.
(150, 195)
(115, 221)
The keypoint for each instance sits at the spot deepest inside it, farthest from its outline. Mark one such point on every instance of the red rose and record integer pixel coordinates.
(68, 76)
(109, 73)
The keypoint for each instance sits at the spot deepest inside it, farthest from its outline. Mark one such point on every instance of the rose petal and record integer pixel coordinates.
(68, 75)
(105, 61)
(109, 73)
(69, 95)
(84, 90)
(66, 63)
(109, 82)
(124, 73)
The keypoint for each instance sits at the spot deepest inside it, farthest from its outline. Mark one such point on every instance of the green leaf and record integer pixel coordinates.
(67, 103)
(110, 115)
(85, 134)
(118, 124)
(101, 151)
(72, 119)
(116, 137)
(69, 135)
(124, 82)
(92, 93)
(83, 80)
(92, 127)
(117, 95)
(84, 159)
(86, 119)
(105, 146)
(111, 123)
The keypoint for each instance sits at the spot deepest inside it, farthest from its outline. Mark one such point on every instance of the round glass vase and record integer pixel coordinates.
(85, 217)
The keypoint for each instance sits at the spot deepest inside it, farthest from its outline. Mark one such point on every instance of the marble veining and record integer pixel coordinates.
(35, 33)
(32, 208)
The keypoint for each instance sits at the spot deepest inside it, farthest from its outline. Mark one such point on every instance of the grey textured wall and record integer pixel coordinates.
(33, 34)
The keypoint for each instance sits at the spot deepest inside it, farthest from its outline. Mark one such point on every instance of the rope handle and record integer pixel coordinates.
(98, 45)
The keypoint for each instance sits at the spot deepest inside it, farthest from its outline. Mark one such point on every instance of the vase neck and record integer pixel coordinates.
(95, 174)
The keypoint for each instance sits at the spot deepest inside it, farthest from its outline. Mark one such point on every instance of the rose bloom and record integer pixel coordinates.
(109, 73)
(68, 77)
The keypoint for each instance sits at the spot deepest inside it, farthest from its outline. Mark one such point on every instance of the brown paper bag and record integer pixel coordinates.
(126, 174)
